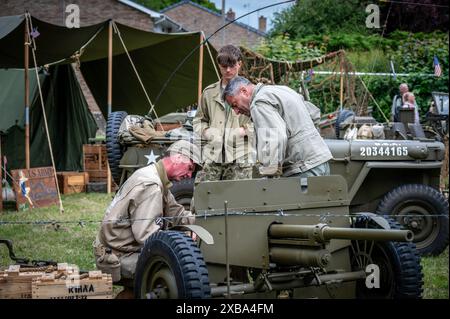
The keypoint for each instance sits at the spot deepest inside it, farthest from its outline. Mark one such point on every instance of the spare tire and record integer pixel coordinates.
(183, 191)
(343, 115)
(113, 147)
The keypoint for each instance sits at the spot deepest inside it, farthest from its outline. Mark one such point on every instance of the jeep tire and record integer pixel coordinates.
(413, 206)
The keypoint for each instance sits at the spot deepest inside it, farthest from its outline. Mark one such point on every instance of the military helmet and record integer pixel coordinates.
(187, 149)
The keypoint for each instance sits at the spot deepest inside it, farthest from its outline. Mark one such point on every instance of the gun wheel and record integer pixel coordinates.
(171, 266)
(397, 265)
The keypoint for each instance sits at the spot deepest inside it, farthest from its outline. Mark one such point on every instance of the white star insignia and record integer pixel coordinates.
(151, 158)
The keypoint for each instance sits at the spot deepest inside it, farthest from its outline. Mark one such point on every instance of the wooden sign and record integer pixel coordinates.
(34, 187)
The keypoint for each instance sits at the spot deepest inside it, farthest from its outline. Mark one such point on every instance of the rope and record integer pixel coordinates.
(373, 99)
(152, 106)
(33, 50)
(210, 55)
(375, 59)
(206, 40)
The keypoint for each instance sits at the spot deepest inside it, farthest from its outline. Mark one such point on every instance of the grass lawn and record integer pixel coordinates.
(72, 243)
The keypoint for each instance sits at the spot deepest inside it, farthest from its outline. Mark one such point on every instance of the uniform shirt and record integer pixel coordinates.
(133, 214)
(216, 122)
(286, 135)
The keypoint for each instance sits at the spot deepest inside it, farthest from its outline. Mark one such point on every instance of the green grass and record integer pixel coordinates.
(72, 243)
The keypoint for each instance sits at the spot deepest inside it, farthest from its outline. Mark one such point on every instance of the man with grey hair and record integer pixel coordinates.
(142, 206)
(288, 144)
(398, 101)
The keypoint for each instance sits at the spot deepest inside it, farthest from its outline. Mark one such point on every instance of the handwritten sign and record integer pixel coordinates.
(34, 187)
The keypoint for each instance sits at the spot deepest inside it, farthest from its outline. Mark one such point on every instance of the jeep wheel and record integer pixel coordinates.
(183, 191)
(113, 147)
(171, 266)
(400, 272)
(413, 206)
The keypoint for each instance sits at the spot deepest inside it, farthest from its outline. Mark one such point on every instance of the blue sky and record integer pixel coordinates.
(243, 6)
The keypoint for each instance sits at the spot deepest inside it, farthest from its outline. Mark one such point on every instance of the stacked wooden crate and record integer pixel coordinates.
(95, 162)
(61, 282)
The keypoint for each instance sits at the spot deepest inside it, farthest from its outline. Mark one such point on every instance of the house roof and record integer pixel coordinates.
(155, 15)
(151, 13)
(242, 25)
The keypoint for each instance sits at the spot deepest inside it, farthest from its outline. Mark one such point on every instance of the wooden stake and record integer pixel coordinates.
(200, 71)
(27, 95)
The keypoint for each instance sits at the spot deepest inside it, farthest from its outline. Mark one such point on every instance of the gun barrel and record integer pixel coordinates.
(323, 232)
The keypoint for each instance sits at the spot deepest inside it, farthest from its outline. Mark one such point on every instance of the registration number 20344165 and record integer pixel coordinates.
(383, 151)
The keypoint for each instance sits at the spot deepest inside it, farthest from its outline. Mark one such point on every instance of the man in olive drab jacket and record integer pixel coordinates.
(228, 153)
(288, 144)
(142, 206)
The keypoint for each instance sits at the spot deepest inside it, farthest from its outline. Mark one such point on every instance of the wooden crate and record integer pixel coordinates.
(95, 162)
(72, 182)
(94, 285)
(15, 283)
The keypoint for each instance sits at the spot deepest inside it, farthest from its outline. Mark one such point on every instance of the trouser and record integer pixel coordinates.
(319, 170)
(119, 265)
(226, 171)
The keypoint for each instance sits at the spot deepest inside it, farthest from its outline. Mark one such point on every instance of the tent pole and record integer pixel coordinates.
(27, 96)
(200, 71)
(110, 47)
(341, 95)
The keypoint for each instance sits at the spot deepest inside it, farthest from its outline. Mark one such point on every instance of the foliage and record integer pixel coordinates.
(282, 48)
(346, 40)
(158, 5)
(309, 17)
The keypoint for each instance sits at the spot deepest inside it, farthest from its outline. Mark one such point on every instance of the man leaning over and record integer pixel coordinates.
(288, 144)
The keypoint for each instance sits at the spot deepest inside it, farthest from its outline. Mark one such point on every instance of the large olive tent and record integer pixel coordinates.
(155, 55)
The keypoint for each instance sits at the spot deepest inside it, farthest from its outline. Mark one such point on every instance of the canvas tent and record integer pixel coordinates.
(155, 56)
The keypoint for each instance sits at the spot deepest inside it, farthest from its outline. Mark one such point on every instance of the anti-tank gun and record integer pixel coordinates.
(286, 237)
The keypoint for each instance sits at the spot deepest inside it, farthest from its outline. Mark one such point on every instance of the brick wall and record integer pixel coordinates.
(91, 11)
(193, 18)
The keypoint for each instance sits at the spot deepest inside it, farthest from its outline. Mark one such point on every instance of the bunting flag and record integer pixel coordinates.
(35, 33)
(437, 67)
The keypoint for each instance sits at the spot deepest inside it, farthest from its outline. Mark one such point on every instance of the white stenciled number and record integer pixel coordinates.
(362, 150)
(405, 151)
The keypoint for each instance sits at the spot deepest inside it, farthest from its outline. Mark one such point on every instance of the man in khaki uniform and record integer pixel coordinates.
(228, 153)
(288, 144)
(142, 206)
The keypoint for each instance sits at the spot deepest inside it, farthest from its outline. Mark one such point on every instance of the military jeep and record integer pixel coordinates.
(397, 178)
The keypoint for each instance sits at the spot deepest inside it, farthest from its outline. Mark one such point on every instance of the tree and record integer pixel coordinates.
(158, 5)
(312, 17)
